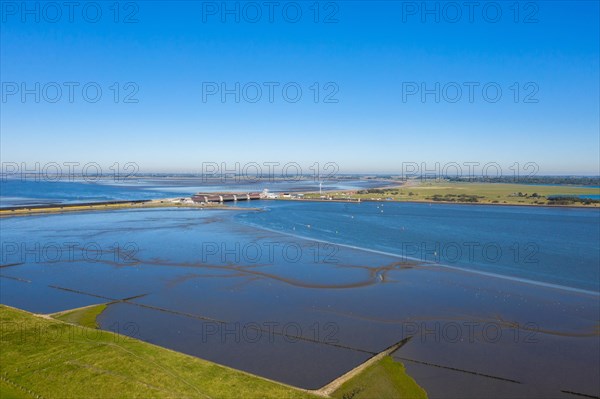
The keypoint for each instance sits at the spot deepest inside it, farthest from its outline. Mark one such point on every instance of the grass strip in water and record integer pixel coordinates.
(384, 379)
(85, 317)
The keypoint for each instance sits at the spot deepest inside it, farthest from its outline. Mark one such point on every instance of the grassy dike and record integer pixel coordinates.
(85, 317)
(384, 379)
(46, 358)
(67, 208)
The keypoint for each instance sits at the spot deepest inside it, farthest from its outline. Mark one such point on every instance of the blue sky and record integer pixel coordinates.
(370, 53)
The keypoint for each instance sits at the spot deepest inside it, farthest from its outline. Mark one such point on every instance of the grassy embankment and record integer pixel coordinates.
(85, 317)
(384, 379)
(49, 358)
(109, 207)
(484, 193)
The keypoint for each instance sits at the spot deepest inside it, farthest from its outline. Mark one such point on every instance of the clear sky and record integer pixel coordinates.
(370, 62)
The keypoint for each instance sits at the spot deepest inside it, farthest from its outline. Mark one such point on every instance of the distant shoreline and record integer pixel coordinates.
(354, 201)
(156, 204)
(352, 197)
(109, 206)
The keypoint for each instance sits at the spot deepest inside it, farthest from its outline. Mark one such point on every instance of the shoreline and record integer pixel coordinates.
(154, 204)
(111, 206)
(412, 201)
(223, 369)
(329, 390)
(356, 201)
(446, 267)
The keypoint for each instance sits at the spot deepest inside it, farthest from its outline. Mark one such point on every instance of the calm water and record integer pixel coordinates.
(542, 245)
(302, 292)
(15, 192)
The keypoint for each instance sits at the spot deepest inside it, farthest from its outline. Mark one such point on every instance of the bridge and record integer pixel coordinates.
(225, 197)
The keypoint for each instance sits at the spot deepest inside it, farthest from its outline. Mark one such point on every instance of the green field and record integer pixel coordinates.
(384, 379)
(43, 357)
(486, 193)
(84, 317)
(53, 359)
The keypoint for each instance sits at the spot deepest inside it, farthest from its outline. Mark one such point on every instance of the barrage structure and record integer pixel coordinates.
(225, 197)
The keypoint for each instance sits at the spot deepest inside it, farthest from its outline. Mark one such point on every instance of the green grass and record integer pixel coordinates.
(58, 360)
(84, 317)
(10, 391)
(485, 193)
(384, 379)
(53, 359)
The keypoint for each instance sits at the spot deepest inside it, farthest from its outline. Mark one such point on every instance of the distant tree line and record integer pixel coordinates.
(570, 199)
(572, 180)
(372, 191)
(456, 198)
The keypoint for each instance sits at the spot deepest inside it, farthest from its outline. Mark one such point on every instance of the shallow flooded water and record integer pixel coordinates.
(243, 289)
(20, 191)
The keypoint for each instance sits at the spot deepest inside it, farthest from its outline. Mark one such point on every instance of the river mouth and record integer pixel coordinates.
(301, 311)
